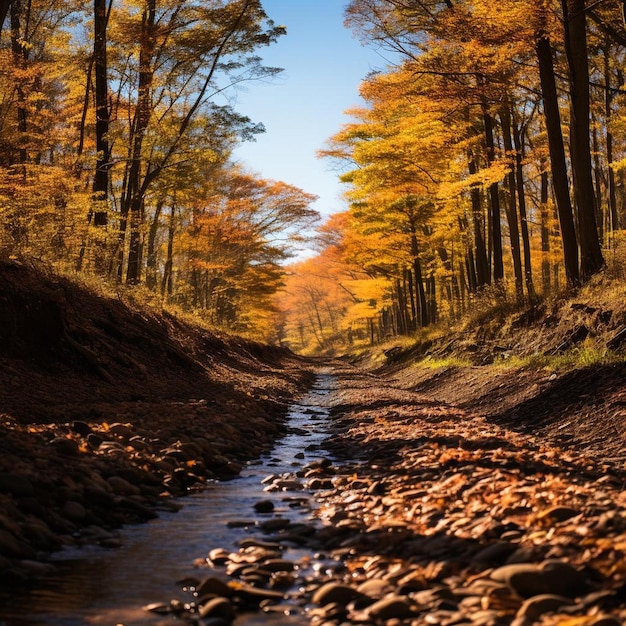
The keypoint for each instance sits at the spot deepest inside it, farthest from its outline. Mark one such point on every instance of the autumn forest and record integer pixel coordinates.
(488, 164)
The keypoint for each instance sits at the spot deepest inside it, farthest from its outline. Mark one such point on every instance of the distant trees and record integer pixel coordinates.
(115, 148)
(462, 177)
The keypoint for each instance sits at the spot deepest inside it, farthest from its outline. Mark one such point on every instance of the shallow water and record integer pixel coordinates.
(99, 586)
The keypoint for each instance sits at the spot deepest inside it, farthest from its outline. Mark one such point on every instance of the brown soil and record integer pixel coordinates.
(583, 409)
(107, 409)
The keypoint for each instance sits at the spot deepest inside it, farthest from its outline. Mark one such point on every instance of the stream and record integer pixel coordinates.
(109, 587)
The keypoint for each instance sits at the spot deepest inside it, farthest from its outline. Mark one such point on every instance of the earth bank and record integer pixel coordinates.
(107, 410)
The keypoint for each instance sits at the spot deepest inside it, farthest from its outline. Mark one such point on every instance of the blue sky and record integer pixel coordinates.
(323, 66)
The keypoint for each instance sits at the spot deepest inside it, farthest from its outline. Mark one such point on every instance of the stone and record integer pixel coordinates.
(81, 428)
(393, 607)
(564, 578)
(255, 596)
(264, 506)
(271, 525)
(13, 547)
(65, 446)
(74, 511)
(241, 523)
(217, 607)
(215, 586)
(557, 514)
(218, 556)
(122, 486)
(335, 592)
(94, 441)
(121, 430)
(551, 577)
(495, 553)
(535, 607)
(278, 565)
(375, 588)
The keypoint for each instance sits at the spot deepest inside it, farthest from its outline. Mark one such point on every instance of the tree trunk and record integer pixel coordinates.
(557, 158)
(482, 274)
(103, 157)
(167, 282)
(496, 228)
(591, 260)
(5, 5)
(608, 98)
(142, 118)
(545, 232)
(419, 283)
(20, 56)
(511, 214)
(521, 197)
(151, 254)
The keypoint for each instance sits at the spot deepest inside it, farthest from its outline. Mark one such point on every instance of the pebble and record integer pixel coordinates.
(217, 607)
(264, 506)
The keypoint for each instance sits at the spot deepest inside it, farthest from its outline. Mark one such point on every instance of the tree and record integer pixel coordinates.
(101, 92)
(591, 260)
(187, 53)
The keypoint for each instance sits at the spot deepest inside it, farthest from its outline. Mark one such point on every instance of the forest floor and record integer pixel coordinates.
(466, 453)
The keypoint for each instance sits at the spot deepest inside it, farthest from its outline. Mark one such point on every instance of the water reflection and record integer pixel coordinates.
(99, 586)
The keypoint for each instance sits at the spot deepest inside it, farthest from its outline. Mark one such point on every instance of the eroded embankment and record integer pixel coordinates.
(107, 409)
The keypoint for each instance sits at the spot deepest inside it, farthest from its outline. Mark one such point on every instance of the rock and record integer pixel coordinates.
(161, 608)
(65, 446)
(218, 556)
(557, 514)
(393, 607)
(252, 595)
(81, 428)
(565, 579)
(94, 441)
(74, 511)
(123, 487)
(13, 547)
(217, 607)
(495, 553)
(551, 577)
(316, 484)
(335, 592)
(241, 523)
(605, 620)
(215, 586)
(271, 525)
(331, 613)
(98, 496)
(375, 588)
(278, 565)
(535, 607)
(264, 506)
(252, 542)
(121, 430)
(286, 484)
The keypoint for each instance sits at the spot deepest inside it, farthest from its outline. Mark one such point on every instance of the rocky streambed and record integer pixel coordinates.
(410, 513)
(426, 515)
